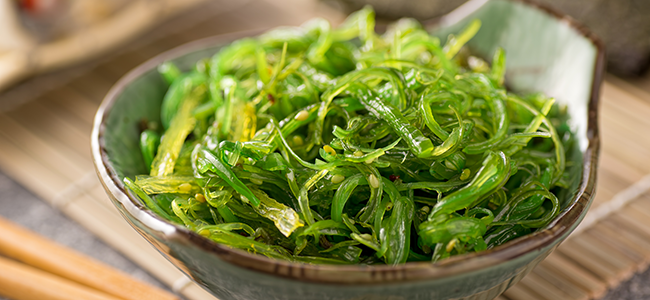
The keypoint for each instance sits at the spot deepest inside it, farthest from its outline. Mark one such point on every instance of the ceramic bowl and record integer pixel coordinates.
(546, 52)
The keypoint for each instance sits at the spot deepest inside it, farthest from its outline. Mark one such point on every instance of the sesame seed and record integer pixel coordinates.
(449, 165)
(329, 149)
(302, 115)
(373, 181)
(337, 178)
(451, 245)
(297, 140)
(465, 174)
(185, 187)
(200, 198)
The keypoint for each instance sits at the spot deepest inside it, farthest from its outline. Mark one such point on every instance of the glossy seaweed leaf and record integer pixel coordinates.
(328, 145)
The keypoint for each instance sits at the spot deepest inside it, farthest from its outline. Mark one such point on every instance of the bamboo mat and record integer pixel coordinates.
(44, 145)
(88, 41)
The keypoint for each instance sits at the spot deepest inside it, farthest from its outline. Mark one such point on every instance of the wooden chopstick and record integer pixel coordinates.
(32, 249)
(21, 282)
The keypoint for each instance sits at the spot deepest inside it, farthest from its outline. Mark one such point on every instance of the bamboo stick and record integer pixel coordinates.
(120, 65)
(48, 154)
(66, 114)
(622, 265)
(520, 292)
(22, 282)
(92, 86)
(22, 166)
(632, 238)
(636, 105)
(544, 289)
(558, 281)
(614, 242)
(642, 205)
(34, 250)
(35, 116)
(629, 172)
(624, 221)
(74, 102)
(638, 216)
(581, 256)
(575, 274)
(628, 150)
(627, 128)
(54, 131)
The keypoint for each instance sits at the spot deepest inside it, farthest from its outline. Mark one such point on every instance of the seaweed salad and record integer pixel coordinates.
(344, 146)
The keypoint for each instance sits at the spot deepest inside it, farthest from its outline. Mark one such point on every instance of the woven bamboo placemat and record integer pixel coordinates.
(88, 42)
(44, 145)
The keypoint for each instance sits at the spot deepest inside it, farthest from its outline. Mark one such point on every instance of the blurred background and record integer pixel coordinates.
(58, 58)
(622, 24)
(41, 36)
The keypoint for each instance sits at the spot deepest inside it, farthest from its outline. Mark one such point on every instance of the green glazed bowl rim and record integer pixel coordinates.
(354, 274)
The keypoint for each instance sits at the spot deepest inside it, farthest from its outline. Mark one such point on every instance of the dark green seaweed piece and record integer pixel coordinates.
(330, 145)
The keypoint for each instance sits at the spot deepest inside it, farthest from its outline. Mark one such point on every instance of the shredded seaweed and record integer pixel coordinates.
(343, 146)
